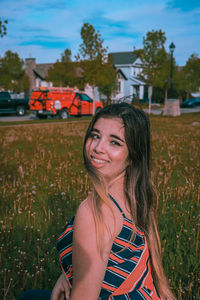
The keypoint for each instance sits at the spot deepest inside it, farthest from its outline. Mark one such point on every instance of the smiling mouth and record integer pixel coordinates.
(97, 161)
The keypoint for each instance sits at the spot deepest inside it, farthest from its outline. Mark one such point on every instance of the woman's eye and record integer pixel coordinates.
(94, 136)
(115, 143)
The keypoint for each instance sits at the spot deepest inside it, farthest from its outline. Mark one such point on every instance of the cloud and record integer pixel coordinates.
(46, 42)
(46, 28)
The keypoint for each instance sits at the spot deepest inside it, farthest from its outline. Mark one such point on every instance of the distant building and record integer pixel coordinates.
(130, 66)
(37, 73)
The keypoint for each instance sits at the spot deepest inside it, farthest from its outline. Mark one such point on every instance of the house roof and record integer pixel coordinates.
(137, 80)
(123, 58)
(122, 73)
(41, 70)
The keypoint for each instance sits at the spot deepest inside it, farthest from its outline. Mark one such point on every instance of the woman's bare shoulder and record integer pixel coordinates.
(111, 216)
(84, 218)
(84, 209)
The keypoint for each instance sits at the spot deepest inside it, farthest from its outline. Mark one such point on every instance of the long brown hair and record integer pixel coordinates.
(138, 187)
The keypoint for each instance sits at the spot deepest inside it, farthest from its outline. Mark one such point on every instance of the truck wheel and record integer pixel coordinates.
(64, 114)
(20, 110)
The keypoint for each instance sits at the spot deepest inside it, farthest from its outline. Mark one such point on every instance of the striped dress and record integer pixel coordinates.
(128, 273)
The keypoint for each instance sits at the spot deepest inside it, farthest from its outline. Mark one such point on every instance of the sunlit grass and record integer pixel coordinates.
(42, 181)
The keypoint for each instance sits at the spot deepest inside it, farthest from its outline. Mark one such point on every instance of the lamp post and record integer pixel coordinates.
(171, 48)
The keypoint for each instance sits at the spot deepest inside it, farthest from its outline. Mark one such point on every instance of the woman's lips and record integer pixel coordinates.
(96, 162)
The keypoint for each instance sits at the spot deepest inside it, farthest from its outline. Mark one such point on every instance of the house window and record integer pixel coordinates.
(119, 87)
(133, 71)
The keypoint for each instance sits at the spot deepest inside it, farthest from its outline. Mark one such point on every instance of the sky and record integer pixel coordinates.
(43, 29)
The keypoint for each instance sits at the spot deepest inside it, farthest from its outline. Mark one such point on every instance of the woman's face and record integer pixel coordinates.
(106, 148)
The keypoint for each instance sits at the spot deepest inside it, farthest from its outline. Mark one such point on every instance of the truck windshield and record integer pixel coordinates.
(84, 97)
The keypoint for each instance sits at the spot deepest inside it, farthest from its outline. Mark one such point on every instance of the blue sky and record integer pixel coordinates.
(43, 29)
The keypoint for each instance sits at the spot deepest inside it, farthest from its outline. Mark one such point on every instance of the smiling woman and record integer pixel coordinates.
(111, 249)
(106, 148)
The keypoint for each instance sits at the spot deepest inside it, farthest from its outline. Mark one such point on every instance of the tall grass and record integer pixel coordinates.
(42, 181)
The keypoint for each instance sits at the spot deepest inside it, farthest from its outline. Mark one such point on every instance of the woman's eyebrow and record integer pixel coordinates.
(96, 130)
(117, 137)
(111, 135)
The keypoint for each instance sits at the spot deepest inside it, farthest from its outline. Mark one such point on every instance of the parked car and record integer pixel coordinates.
(9, 103)
(191, 102)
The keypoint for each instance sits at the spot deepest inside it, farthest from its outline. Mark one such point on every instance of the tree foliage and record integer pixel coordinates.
(12, 74)
(97, 67)
(3, 28)
(65, 72)
(91, 66)
(91, 54)
(156, 61)
(107, 79)
(154, 57)
(92, 45)
(190, 74)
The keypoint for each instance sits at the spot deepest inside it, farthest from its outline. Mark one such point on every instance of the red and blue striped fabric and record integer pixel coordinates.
(128, 273)
(64, 247)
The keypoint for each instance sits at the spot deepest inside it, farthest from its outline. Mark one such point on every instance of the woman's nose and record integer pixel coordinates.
(99, 147)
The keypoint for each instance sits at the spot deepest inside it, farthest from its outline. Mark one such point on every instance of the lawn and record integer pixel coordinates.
(42, 181)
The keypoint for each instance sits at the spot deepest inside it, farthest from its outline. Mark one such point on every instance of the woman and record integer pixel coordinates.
(111, 248)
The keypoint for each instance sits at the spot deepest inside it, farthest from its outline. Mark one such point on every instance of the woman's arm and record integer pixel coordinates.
(61, 289)
(88, 265)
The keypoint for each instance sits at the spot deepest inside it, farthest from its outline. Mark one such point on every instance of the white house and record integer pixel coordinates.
(130, 85)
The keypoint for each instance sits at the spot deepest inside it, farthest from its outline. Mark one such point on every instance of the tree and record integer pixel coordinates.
(100, 74)
(3, 28)
(65, 72)
(154, 59)
(92, 45)
(162, 78)
(190, 75)
(66, 56)
(107, 79)
(12, 74)
(61, 72)
(92, 56)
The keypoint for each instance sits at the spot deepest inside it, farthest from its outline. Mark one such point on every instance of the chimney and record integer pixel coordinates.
(30, 65)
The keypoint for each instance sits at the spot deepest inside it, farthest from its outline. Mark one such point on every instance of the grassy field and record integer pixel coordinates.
(42, 181)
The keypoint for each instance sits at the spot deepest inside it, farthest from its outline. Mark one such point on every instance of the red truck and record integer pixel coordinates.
(62, 102)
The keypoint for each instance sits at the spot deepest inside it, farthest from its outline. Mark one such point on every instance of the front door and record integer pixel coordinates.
(135, 89)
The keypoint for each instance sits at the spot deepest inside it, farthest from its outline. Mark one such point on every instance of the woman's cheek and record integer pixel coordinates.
(117, 154)
(88, 145)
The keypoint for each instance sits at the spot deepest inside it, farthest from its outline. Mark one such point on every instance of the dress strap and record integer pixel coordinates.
(115, 202)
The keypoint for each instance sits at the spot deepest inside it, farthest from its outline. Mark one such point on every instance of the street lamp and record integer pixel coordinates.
(171, 48)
